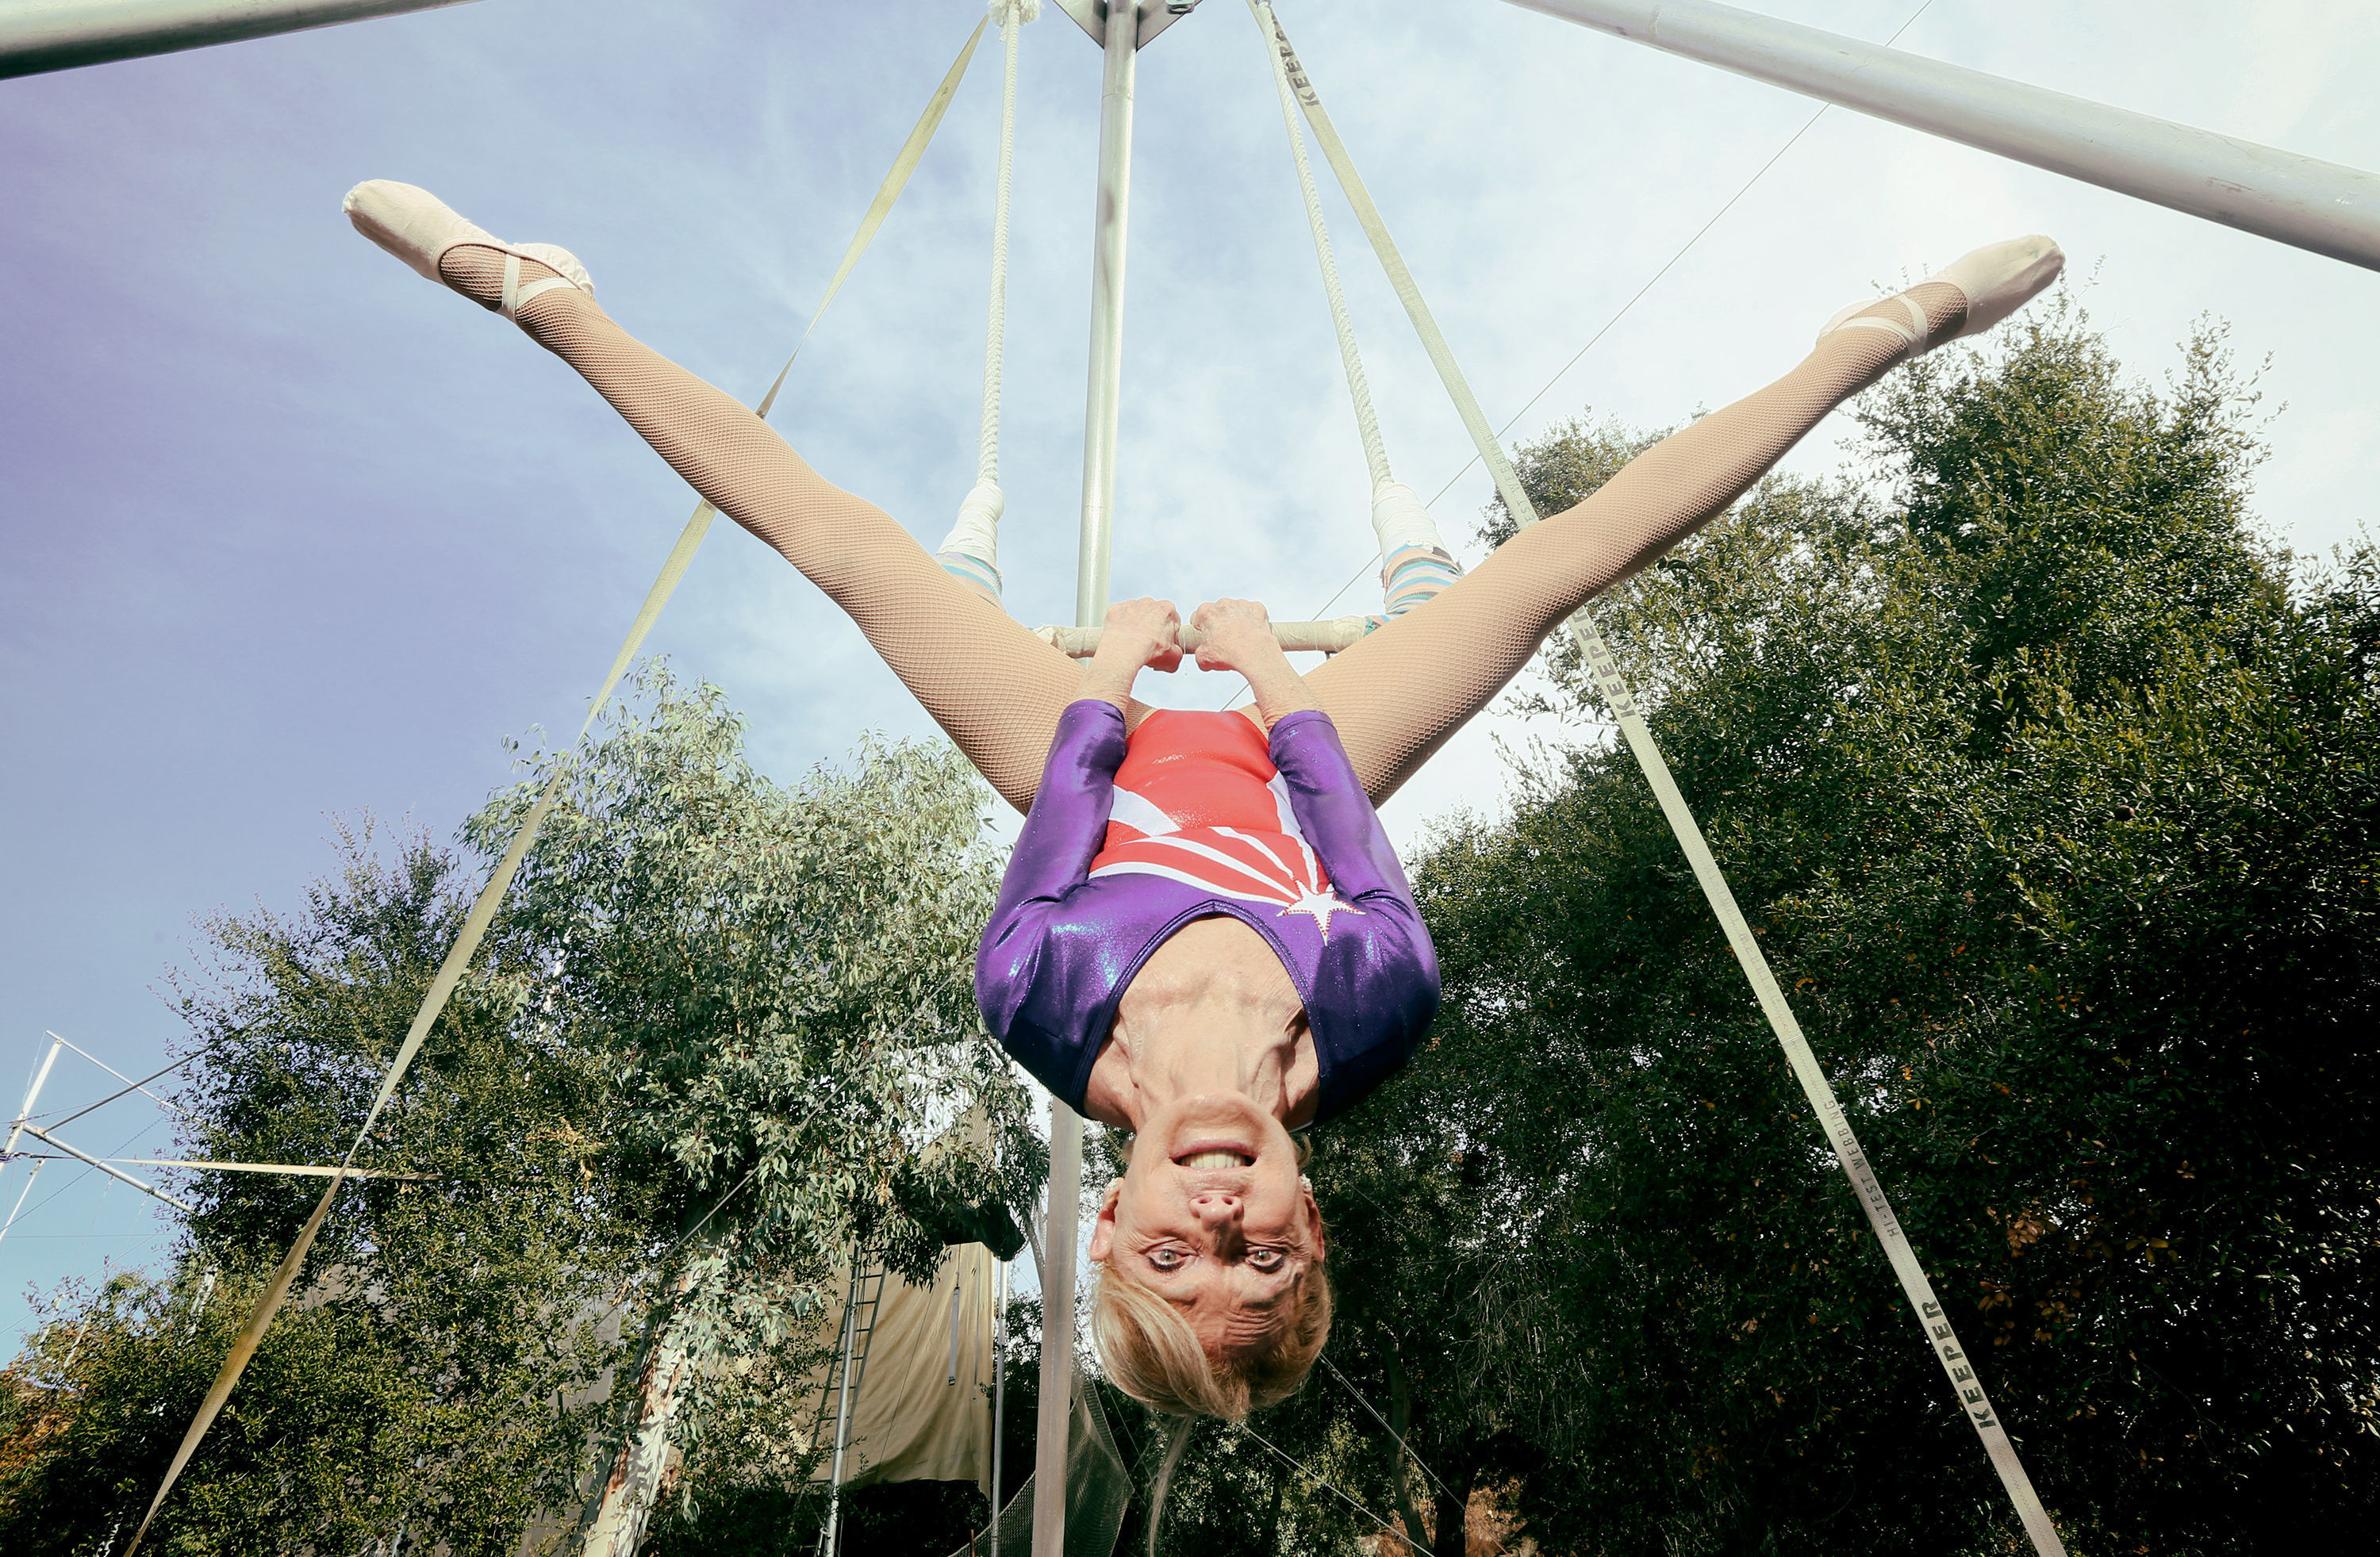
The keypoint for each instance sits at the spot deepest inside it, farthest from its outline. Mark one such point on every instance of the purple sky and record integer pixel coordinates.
(292, 534)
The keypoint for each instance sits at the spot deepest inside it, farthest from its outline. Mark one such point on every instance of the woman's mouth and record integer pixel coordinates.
(1214, 1157)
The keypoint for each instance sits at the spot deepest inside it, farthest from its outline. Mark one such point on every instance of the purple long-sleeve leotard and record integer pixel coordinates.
(1063, 945)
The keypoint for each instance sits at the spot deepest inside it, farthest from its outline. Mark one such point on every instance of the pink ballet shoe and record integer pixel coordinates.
(1997, 280)
(419, 228)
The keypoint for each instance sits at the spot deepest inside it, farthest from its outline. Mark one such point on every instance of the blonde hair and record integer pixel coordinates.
(1152, 1353)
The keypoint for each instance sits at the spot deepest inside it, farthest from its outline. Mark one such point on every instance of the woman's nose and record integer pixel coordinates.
(1215, 1207)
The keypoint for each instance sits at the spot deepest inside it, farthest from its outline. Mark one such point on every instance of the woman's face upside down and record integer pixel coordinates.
(1213, 1216)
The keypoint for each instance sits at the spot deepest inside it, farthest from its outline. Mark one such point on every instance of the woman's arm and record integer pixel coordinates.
(1238, 636)
(1068, 823)
(1138, 635)
(1336, 816)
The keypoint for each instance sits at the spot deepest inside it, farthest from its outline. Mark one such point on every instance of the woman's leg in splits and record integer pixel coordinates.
(986, 680)
(1400, 693)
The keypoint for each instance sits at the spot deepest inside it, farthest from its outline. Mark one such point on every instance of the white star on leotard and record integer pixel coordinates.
(1319, 907)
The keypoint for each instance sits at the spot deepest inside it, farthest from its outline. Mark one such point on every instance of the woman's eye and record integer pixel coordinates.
(1166, 1258)
(1267, 1260)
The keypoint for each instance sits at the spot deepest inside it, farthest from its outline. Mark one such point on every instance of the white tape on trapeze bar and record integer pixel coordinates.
(1295, 637)
(1955, 1363)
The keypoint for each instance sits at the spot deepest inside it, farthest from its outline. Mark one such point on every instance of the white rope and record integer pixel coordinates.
(973, 545)
(1739, 939)
(1011, 15)
(1376, 453)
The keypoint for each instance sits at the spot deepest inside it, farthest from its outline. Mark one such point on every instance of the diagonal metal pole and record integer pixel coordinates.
(2298, 201)
(39, 35)
(16, 1130)
(1102, 399)
(115, 1173)
(32, 1096)
(1890, 1235)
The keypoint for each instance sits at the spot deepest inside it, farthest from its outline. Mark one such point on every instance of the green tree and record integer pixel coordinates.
(2048, 786)
(721, 1032)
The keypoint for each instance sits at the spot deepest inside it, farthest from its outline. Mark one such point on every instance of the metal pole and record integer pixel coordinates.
(61, 34)
(1102, 399)
(16, 1129)
(2278, 194)
(129, 1084)
(1106, 379)
(41, 1078)
(841, 1419)
(114, 1173)
(999, 1393)
(30, 1180)
(1051, 1418)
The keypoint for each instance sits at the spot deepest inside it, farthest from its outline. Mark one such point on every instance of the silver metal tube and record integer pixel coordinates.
(999, 1393)
(16, 1129)
(129, 1083)
(40, 1079)
(39, 35)
(1052, 1416)
(2298, 201)
(1104, 393)
(842, 1418)
(30, 1180)
(1102, 399)
(111, 1172)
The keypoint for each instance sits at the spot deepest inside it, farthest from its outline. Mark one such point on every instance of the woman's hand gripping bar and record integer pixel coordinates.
(1295, 637)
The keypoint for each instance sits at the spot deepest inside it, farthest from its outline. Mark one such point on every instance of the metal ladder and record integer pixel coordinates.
(838, 1404)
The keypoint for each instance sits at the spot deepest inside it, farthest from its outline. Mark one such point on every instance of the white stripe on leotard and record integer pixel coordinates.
(1208, 851)
(1141, 813)
(1139, 867)
(1264, 841)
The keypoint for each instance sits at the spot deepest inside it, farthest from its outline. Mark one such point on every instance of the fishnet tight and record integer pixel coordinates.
(1396, 696)
(1399, 693)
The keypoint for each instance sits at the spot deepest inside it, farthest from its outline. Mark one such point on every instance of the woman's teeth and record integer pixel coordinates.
(1212, 1160)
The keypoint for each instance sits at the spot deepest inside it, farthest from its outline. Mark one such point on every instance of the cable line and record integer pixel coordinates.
(1636, 297)
(1318, 1477)
(1392, 1433)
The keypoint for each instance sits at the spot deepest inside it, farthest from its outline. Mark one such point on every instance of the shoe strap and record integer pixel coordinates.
(1912, 334)
(516, 294)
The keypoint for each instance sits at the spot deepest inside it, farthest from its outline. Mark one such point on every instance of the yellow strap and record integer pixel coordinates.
(1890, 1235)
(483, 912)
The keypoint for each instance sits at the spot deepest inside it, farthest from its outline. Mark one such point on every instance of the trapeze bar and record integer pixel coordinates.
(2298, 201)
(61, 34)
(1091, 16)
(1295, 637)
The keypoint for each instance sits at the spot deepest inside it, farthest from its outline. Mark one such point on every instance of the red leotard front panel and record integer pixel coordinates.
(1198, 800)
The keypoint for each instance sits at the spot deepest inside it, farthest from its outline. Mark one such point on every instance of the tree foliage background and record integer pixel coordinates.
(2046, 779)
(721, 1030)
(2049, 787)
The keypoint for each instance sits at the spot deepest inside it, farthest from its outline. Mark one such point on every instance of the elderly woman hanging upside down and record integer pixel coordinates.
(1204, 936)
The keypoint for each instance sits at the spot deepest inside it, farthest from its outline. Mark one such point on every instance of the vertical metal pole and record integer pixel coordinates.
(1101, 401)
(841, 1419)
(1106, 379)
(1050, 1420)
(999, 1393)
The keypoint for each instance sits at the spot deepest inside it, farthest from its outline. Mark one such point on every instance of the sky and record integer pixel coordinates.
(293, 536)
